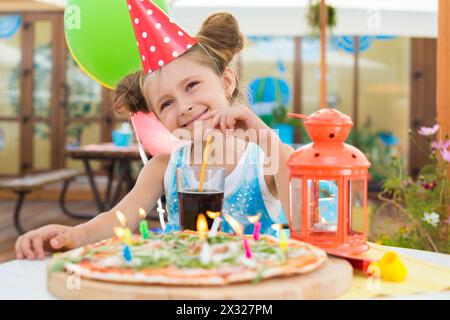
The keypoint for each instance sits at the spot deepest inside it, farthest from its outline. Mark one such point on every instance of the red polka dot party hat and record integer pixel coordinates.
(160, 40)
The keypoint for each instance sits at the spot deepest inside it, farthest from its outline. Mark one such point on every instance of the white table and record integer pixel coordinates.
(22, 279)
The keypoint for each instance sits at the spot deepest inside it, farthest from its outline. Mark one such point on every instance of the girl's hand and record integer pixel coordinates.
(237, 116)
(53, 237)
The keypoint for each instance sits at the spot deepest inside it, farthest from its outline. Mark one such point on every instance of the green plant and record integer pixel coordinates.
(279, 115)
(314, 17)
(425, 201)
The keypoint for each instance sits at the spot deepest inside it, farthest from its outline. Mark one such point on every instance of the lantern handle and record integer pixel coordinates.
(296, 115)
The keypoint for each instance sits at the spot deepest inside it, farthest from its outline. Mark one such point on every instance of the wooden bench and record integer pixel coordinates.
(24, 185)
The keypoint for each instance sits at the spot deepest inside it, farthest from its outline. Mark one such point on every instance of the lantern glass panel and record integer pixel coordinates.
(296, 204)
(356, 206)
(323, 205)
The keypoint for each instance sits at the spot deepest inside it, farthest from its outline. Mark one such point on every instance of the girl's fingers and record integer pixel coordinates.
(223, 124)
(25, 244)
(31, 244)
(230, 121)
(18, 248)
(223, 121)
(38, 246)
(50, 231)
(215, 121)
(62, 240)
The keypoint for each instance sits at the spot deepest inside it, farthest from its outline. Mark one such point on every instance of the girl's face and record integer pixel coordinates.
(183, 91)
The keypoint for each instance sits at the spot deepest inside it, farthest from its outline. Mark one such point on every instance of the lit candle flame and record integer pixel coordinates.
(119, 232)
(277, 226)
(142, 213)
(213, 214)
(234, 224)
(202, 224)
(121, 217)
(255, 218)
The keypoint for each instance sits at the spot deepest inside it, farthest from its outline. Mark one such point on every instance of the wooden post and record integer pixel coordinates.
(323, 54)
(443, 69)
(298, 88)
(355, 116)
(59, 92)
(443, 73)
(26, 97)
(422, 110)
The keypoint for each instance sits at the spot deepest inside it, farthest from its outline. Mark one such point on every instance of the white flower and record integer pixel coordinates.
(431, 218)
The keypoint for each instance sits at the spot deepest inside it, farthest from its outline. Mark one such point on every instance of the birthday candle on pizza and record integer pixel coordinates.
(256, 225)
(215, 215)
(127, 253)
(119, 232)
(123, 221)
(234, 224)
(202, 228)
(239, 230)
(248, 252)
(143, 225)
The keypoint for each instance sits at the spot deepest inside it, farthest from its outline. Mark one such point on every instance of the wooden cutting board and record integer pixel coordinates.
(329, 281)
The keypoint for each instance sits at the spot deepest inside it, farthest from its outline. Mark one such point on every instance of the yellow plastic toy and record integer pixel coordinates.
(391, 267)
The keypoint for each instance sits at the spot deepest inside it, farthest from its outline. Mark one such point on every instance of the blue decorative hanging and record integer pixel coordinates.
(347, 43)
(9, 25)
(269, 89)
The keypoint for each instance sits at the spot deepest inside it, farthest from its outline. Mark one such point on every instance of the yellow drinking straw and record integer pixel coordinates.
(205, 160)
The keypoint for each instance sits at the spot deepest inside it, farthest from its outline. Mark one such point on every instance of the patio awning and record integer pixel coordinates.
(413, 18)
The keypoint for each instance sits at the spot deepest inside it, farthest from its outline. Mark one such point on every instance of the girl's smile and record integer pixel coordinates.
(190, 122)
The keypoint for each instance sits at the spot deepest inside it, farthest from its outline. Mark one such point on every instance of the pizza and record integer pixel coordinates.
(178, 259)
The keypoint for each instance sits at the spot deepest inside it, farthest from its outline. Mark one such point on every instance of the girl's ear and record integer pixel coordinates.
(229, 81)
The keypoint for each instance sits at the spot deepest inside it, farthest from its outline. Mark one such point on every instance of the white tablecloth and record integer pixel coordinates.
(22, 279)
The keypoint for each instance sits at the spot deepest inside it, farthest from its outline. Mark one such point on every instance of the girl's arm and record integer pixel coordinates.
(145, 193)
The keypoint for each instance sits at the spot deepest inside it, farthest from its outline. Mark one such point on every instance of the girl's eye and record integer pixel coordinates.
(191, 85)
(166, 104)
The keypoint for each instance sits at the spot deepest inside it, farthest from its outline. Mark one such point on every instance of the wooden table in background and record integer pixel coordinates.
(116, 157)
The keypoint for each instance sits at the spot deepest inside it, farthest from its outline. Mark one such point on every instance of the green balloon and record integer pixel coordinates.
(101, 39)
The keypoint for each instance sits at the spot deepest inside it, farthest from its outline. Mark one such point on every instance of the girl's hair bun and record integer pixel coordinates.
(220, 32)
(128, 96)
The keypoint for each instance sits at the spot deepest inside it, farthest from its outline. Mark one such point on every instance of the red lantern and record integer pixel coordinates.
(328, 186)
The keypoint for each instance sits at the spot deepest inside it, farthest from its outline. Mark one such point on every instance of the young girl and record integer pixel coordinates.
(198, 89)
